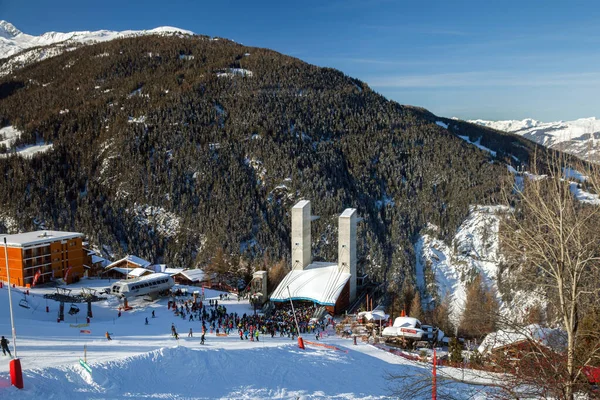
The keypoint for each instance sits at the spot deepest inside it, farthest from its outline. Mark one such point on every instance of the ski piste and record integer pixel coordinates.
(145, 360)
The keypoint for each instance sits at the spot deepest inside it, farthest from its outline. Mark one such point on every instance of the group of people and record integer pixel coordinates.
(214, 317)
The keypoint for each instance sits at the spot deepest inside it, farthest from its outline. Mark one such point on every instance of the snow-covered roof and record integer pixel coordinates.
(37, 237)
(131, 273)
(194, 275)
(96, 259)
(138, 261)
(132, 260)
(552, 338)
(172, 271)
(137, 272)
(321, 282)
(376, 315)
(406, 322)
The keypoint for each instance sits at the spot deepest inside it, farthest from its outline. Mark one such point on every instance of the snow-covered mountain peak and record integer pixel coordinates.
(14, 41)
(24, 49)
(579, 137)
(8, 30)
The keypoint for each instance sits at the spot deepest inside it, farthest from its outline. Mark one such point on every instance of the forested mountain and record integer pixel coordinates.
(172, 148)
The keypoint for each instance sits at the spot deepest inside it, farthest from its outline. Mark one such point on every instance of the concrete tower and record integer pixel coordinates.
(301, 240)
(347, 247)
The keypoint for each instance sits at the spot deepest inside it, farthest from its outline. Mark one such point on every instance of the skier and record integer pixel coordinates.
(173, 330)
(190, 334)
(108, 336)
(202, 338)
(4, 344)
(153, 316)
(146, 320)
(256, 334)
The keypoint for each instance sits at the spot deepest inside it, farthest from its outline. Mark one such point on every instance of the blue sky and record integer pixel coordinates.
(489, 59)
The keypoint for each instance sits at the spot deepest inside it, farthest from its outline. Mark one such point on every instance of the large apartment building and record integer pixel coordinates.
(54, 254)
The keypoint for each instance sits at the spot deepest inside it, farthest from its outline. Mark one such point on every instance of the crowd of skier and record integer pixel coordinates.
(213, 317)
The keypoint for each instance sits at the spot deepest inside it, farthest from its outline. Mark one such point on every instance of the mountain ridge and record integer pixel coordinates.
(580, 137)
(16, 41)
(18, 49)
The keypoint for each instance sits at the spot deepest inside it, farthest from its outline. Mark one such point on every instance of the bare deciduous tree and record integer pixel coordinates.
(552, 241)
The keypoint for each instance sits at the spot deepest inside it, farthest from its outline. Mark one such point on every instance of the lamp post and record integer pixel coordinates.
(300, 341)
(16, 375)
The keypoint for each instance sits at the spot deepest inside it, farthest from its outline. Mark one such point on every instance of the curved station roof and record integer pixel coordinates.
(320, 282)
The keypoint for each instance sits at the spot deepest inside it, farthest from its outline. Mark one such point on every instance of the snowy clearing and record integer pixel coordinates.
(233, 72)
(478, 144)
(9, 134)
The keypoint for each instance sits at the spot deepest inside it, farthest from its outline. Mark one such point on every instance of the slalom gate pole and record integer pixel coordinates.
(434, 380)
(300, 341)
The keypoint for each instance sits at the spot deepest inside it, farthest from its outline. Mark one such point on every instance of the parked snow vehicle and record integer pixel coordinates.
(144, 285)
(405, 331)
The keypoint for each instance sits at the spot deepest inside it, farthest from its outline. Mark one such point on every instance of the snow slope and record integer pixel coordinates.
(144, 361)
(27, 49)
(580, 137)
(474, 250)
(7, 136)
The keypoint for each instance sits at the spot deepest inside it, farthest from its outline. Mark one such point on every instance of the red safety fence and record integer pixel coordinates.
(327, 346)
(400, 353)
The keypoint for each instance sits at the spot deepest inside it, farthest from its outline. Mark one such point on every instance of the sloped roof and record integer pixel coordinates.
(552, 338)
(321, 282)
(131, 259)
(173, 271)
(97, 259)
(377, 315)
(194, 275)
(137, 272)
